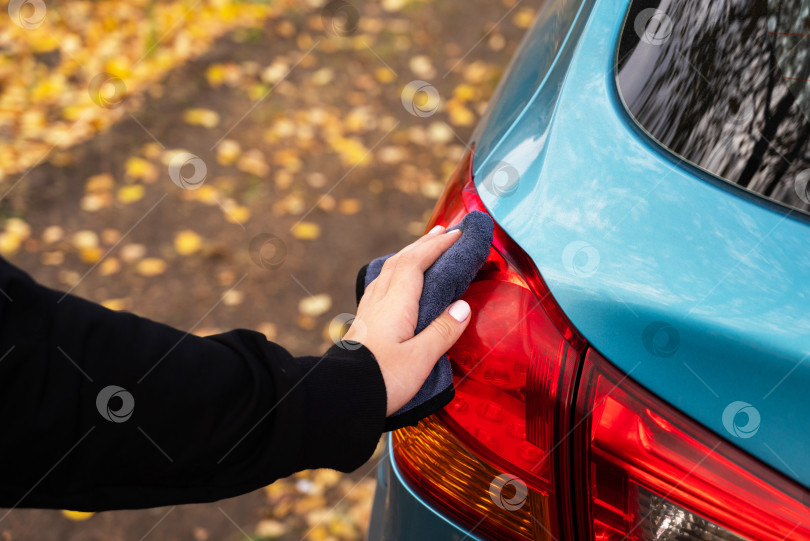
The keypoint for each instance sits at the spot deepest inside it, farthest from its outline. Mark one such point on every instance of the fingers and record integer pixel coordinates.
(405, 282)
(439, 336)
(437, 230)
(422, 255)
(384, 279)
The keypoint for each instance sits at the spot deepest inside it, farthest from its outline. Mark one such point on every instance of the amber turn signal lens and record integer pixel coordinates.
(497, 504)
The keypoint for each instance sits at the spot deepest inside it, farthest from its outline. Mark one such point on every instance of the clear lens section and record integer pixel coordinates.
(663, 520)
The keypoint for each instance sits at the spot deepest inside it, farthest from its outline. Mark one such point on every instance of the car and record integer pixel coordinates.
(636, 363)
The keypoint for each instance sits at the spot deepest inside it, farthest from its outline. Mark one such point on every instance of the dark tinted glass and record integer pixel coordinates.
(724, 85)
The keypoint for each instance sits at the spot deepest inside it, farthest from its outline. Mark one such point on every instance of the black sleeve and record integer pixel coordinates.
(107, 410)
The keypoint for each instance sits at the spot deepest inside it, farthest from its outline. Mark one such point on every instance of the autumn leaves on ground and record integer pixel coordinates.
(216, 164)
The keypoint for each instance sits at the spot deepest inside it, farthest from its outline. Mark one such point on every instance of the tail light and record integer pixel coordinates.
(513, 372)
(526, 450)
(651, 473)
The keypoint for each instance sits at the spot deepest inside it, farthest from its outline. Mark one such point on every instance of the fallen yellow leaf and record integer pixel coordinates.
(152, 150)
(204, 194)
(238, 214)
(132, 252)
(109, 266)
(327, 203)
(464, 92)
(141, 169)
(117, 304)
(268, 329)
(99, 183)
(9, 244)
(17, 226)
(439, 132)
(85, 239)
(270, 528)
(110, 235)
(315, 305)
(322, 77)
(77, 516)
(422, 67)
(187, 242)
(523, 18)
(393, 5)
(95, 201)
(349, 206)
(291, 204)
(253, 162)
(460, 115)
(215, 74)
(91, 255)
(201, 117)
(131, 193)
(52, 233)
(275, 72)
(151, 266)
(288, 158)
(233, 297)
(228, 151)
(384, 75)
(306, 231)
(352, 151)
(476, 72)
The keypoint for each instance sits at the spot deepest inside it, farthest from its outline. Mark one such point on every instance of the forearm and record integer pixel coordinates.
(213, 417)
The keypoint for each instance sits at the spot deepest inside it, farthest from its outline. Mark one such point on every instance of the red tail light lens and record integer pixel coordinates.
(651, 473)
(513, 370)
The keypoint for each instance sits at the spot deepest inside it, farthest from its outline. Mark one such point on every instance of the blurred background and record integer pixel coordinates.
(216, 164)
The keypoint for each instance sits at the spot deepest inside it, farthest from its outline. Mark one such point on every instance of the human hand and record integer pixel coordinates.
(387, 315)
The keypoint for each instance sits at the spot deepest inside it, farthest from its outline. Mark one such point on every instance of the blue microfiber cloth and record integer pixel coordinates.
(445, 282)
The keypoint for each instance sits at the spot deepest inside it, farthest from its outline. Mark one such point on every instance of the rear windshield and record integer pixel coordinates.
(724, 85)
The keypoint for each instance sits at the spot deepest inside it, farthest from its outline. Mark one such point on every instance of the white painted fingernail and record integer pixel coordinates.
(460, 310)
(437, 229)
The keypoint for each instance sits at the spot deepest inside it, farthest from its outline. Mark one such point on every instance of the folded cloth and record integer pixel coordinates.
(445, 282)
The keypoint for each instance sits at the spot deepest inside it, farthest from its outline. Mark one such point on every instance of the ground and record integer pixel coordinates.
(306, 137)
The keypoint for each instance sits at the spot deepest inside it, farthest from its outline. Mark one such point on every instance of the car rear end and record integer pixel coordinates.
(634, 368)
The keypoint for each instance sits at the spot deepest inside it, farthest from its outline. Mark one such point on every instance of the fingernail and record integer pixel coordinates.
(435, 230)
(454, 231)
(460, 310)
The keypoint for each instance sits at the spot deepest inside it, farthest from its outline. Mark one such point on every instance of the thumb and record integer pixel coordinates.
(442, 333)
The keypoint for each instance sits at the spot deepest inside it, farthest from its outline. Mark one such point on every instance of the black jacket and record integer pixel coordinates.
(107, 410)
